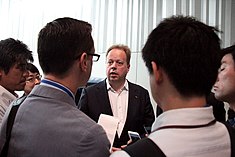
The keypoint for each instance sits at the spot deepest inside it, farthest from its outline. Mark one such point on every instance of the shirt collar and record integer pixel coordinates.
(6, 94)
(125, 87)
(185, 116)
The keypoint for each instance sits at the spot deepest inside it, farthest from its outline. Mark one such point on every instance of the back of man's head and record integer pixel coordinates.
(61, 42)
(12, 52)
(188, 51)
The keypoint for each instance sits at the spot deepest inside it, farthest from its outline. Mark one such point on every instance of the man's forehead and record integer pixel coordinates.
(227, 56)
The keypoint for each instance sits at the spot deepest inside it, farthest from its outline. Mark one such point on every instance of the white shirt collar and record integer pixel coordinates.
(5, 93)
(125, 87)
(184, 116)
(6, 97)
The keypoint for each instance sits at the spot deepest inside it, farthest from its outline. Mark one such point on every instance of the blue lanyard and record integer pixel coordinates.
(58, 86)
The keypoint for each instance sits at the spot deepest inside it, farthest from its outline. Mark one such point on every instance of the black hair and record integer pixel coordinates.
(32, 68)
(12, 52)
(62, 41)
(188, 51)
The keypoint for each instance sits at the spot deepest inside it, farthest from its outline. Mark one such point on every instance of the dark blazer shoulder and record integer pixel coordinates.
(100, 85)
(136, 87)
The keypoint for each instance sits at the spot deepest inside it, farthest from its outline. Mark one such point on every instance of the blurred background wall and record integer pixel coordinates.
(114, 22)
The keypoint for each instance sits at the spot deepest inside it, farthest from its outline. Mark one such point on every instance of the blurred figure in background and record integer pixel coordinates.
(14, 57)
(34, 78)
(225, 85)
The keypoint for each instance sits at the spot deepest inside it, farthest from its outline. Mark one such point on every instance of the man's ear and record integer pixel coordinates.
(157, 72)
(128, 66)
(83, 61)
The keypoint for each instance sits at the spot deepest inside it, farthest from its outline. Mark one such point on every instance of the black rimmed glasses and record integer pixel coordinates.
(95, 57)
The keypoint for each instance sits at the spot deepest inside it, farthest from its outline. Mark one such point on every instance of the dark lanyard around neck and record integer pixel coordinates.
(185, 126)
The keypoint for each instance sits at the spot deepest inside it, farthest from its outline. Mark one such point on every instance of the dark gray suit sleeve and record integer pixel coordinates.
(95, 143)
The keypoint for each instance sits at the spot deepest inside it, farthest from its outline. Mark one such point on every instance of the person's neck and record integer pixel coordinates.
(117, 85)
(175, 102)
(169, 97)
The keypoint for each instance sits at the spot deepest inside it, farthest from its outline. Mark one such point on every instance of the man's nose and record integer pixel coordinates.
(36, 81)
(114, 65)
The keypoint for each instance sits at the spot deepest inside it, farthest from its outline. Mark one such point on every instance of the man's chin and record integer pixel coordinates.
(218, 96)
(113, 79)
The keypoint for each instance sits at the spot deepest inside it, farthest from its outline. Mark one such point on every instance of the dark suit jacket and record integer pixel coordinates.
(95, 100)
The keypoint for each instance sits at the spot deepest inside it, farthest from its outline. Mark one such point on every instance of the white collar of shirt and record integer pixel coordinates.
(184, 116)
(8, 96)
(125, 87)
(5, 100)
(203, 141)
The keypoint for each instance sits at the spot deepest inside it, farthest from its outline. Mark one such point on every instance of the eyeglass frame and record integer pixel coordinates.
(90, 54)
(32, 80)
(97, 56)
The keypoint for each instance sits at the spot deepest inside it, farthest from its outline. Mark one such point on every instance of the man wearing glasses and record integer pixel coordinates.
(48, 123)
(118, 97)
(95, 57)
(34, 78)
(14, 56)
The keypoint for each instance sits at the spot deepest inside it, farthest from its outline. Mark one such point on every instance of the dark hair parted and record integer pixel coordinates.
(188, 51)
(12, 52)
(125, 48)
(61, 42)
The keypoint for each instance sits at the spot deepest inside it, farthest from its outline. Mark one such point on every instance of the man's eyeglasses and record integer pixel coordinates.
(32, 79)
(95, 57)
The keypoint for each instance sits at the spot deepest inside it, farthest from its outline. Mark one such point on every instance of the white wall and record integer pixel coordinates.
(114, 22)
